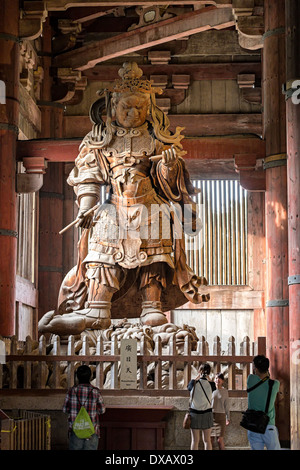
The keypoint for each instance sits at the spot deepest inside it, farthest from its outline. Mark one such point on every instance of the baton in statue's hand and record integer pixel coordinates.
(156, 158)
(78, 219)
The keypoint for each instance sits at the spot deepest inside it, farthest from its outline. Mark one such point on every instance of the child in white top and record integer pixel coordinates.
(220, 406)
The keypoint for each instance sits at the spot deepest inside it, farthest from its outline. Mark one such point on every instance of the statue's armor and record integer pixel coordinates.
(133, 226)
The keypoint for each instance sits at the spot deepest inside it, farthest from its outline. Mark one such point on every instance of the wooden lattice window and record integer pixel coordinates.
(219, 251)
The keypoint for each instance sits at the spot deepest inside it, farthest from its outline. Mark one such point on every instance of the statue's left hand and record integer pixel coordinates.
(169, 156)
(68, 324)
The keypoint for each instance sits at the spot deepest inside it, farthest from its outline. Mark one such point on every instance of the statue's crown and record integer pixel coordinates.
(131, 81)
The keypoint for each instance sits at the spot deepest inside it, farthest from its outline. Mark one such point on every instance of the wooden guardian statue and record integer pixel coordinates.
(131, 256)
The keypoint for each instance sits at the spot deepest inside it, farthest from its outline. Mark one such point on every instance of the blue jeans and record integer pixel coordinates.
(269, 439)
(83, 444)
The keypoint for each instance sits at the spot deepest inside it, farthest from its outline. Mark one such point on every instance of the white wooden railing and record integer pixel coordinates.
(29, 365)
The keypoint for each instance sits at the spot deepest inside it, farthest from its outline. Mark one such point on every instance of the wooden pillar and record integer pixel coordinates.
(51, 195)
(293, 182)
(257, 255)
(276, 208)
(9, 114)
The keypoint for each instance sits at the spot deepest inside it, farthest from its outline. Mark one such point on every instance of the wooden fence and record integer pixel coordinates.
(29, 431)
(30, 366)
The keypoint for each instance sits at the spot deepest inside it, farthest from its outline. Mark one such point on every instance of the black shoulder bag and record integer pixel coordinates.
(257, 421)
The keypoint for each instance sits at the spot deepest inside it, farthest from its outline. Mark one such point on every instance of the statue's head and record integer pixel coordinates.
(129, 101)
(130, 109)
(131, 96)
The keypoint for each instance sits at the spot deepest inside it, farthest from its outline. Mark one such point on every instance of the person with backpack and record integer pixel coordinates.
(258, 386)
(84, 405)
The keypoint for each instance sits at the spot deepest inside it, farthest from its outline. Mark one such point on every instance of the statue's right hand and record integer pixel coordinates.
(85, 221)
(87, 202)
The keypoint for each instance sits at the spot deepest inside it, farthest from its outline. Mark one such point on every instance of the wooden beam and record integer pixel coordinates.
(223, 147)
(53, 150)
(165, 31)
(82, 15)
(195, 125)
(202, 148)
(221, 71)
(61, 5)
(238, 298)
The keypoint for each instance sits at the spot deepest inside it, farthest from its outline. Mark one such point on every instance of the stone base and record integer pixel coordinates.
(176, 438)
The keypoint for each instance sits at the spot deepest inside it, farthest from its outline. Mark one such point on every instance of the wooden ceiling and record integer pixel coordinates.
(181, 45)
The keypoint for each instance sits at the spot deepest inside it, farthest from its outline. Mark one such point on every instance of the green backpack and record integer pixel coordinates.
(83, 427)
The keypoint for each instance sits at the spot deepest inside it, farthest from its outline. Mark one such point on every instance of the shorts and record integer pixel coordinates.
(83, 444)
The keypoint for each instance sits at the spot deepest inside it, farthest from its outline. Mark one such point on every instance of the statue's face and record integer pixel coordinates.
(131, 110)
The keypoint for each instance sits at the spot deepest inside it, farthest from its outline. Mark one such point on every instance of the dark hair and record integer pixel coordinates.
(261, 363)
(204, 369)
(220, 376)
(83, 374)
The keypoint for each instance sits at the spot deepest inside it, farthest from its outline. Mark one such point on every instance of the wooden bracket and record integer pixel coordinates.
(249, 23)
(252, 175)
(32, 180)
(149, 15)
(33, 15)
(159, 57)
(69, 86)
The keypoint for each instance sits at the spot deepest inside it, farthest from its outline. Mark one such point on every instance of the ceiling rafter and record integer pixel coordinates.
(88, 56)
(61, 5)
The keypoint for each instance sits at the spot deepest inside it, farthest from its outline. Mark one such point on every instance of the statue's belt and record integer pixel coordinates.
(143, 187)
(130, 201)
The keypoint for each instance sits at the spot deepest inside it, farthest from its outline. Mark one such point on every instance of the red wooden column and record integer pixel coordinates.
(9, 113)
(293, 181)
(276, 208)
(51, 195)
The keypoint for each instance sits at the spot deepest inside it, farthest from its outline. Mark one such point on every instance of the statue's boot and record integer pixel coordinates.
(152, 314)
(97, 314)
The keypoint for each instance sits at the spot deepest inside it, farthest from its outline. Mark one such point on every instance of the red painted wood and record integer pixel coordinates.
(50, 242)
(293, 171)
(133, 428)
(276, 208)
(226, 71)
(158, 33)
(9, 73)
(213, 148)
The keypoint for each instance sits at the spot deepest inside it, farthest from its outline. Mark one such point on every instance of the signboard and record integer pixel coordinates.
(128, 376)
(2, 92)
(2, 352)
